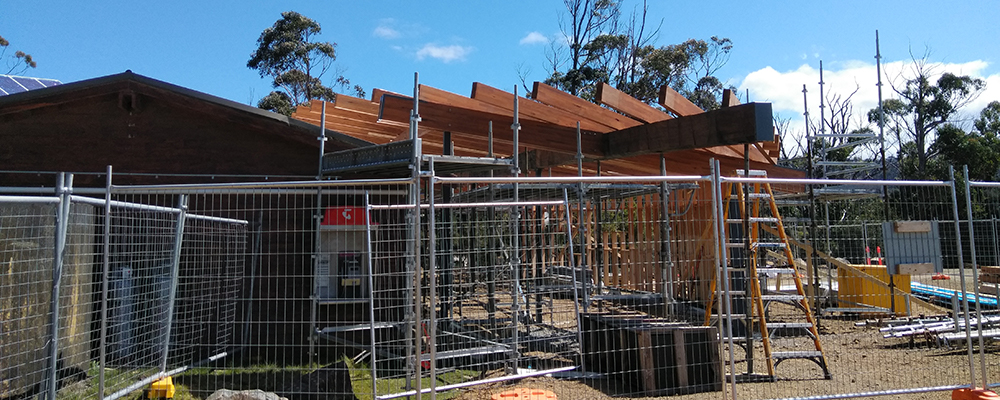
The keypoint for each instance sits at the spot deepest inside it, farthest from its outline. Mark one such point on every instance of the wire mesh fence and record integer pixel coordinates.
(697, 287)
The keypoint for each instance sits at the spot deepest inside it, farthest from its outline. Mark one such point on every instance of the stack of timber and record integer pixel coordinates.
(651, 355)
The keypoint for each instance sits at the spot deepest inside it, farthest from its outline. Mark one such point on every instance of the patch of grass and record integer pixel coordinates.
(361, 381)
(198, 383)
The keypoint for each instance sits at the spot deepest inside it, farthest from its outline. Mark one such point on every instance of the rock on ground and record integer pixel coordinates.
(257, 394)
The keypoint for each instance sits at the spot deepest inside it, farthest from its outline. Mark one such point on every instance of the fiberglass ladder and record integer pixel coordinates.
(766, 238)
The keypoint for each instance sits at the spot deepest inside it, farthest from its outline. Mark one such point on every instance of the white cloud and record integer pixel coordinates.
(446, 54)
(534, 38)
(783, 89)
(385, 32)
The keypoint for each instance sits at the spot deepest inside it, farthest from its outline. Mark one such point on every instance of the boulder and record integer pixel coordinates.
(256, 394)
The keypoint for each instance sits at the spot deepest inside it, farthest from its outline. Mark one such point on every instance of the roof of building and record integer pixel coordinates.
(218, 107)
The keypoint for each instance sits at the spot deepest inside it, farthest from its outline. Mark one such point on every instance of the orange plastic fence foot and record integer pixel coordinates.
(525, 394)
(974, 394)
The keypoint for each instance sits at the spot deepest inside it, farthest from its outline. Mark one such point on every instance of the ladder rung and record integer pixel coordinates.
(788, 325)
(784, 355)
(752, 196)
(781, 297)
(789, 202)
(761, 271)
(752, 220)
(769, 245)
(753, 172)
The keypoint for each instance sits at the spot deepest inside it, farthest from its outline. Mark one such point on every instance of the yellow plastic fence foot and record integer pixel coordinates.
(161, 389)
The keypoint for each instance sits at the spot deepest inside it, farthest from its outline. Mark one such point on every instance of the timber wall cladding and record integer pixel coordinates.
(623, 242)
(693, 238)
(86, 136)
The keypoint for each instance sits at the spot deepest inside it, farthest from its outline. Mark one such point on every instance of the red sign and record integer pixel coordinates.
(344, 216)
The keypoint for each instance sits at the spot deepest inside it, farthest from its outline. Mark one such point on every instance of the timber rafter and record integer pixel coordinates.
(625, 134)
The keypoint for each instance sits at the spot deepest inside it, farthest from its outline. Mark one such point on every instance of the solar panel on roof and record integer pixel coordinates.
(30, 83)
(8, 85)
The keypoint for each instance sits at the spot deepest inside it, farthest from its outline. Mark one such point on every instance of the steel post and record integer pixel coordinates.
(105, 274)
(64, 188)
(961, 270)
(175, 267)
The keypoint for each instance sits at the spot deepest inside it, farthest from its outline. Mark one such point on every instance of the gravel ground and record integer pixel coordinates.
(860, 359)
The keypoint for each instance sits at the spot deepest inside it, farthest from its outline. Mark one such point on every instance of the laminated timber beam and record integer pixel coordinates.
(435, 95)
(677, 103)
(577, 106)
(531, 109)
(681, 106)
(628, 105)
(746, 123)
(534, 134)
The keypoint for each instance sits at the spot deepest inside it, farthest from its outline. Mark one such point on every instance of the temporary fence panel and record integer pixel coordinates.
(122, 307)
(27, 248)
(981, 283)
(612, 286)
(868, 320)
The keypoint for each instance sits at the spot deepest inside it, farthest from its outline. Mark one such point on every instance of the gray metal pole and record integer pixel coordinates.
(812, 203)
(432, 278)
(258, 226)
(64, 189)
(666, 256)
(864, 239)
(369, 254)
(516, 238)
(961, 270)
(822, 117)
(415, 348)
(322, 142)
(491, 266)
(105, 274)
(975, 277)
(314, 298)
(576, 295)
(722, 272)
(881, 115)
(175, 268)
(829, 267)
(583, 225)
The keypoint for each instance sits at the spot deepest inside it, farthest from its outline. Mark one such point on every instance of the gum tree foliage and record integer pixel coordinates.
(979, 148)
(602, 47)
(19, 62)
(923, 109)
(290, 56)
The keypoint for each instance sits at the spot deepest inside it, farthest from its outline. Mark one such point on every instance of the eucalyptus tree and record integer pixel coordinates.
(289, 54)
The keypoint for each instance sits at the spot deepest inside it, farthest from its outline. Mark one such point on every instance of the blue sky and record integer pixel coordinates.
(204, 45)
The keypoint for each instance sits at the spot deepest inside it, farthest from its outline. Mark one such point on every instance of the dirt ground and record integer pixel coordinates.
(860, 360)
